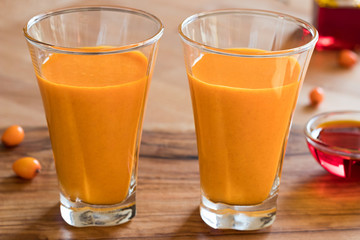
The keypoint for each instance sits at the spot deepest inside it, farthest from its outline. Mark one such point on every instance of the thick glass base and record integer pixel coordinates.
(79, 214)
(223, 216)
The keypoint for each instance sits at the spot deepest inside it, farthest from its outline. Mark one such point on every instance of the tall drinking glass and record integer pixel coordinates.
(245, 70)
(93, 66)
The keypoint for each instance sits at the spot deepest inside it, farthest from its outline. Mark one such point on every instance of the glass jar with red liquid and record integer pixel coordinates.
(338, 23)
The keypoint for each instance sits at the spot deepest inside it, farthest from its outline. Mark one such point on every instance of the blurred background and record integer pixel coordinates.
(169, 106)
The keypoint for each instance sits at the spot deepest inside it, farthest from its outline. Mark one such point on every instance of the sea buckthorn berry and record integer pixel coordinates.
(347, 58)
(26, 167)
(316, 96)
(13, 136)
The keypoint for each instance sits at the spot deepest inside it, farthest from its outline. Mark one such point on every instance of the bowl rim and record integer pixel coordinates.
(318, 144)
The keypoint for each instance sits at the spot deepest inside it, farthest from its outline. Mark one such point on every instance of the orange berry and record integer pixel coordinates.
(347, 58)
(316, 96)
(13, 136)
(26, 167)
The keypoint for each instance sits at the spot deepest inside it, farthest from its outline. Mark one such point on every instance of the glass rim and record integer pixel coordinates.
(267, 54)
(309, 126)
(76, 50)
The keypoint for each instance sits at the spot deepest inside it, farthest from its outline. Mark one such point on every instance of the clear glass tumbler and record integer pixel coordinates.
(245, 69)
(93, 66)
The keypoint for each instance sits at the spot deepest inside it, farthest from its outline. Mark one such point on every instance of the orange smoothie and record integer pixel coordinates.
(94, 106)
(242, 109)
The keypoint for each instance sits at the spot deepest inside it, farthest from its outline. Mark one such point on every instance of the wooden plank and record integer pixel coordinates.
(312, 203)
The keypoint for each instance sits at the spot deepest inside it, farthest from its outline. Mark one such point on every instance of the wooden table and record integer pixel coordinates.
(312, 203)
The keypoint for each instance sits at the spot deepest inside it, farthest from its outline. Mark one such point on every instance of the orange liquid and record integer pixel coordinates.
(242, 109)
(94, 106)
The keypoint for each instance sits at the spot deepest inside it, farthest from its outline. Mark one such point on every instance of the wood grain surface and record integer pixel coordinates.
(312, 203)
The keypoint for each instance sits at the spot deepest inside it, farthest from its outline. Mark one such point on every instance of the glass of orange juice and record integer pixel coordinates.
(93, 66)
(245, 70)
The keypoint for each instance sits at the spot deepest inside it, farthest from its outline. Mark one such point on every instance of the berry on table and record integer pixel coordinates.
(316, 96)
(26, 167)
(347, 58)
(13, 136)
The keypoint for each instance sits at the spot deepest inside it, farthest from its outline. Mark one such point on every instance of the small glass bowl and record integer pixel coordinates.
(339, 161)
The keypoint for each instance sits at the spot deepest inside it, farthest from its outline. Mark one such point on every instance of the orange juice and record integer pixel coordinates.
(242, 108)
(94, 106)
